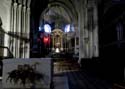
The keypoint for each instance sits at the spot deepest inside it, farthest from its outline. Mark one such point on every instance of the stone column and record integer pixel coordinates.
(19, 29)
(11, 28)
(15, 28)
(28, 33)
(81, 31)
(16, 33)
(75, 45)
(27, 30)
(76, 39)
(95, 33)
(86, 35)
(66, 42)
(79, 24)
(23, 27)
(61, 43)
(90, 29)
(90, 44)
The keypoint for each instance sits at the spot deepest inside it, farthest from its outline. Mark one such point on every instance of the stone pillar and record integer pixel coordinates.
(15, 28)
(76, 39)
(91, 43)
(16, 33)
(62, 43)
(27, 30)
(19, 29)
(28, 33)
(95, 33)
(80, 48)
(11, 28)
(23, 27)
(81, 31)
(75, 45)
(86, 33)
(65, 38)
(61, 46)
(66, 42)
(90, 29)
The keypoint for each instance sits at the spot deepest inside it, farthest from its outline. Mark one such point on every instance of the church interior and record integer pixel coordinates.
(64, 44)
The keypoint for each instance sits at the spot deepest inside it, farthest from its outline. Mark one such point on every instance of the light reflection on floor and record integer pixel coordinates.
(65, 66)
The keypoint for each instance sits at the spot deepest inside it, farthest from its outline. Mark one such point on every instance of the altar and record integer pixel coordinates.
(57, 40)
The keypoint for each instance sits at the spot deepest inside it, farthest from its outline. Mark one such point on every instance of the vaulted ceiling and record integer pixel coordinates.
(62, 11)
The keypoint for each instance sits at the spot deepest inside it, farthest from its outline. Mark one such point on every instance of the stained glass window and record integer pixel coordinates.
(47, 28)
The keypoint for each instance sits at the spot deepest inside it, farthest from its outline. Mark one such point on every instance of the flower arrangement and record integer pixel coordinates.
(24, 74)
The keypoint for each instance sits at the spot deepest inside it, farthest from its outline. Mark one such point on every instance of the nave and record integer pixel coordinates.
(80, 78)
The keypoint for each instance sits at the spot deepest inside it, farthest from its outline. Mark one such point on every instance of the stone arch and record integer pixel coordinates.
(63, 5)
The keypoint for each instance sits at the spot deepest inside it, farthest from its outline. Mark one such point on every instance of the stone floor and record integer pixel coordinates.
(61, 82)
(77, 78)
(83, 80)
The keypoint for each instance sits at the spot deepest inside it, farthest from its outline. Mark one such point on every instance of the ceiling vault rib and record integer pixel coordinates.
(64, 5)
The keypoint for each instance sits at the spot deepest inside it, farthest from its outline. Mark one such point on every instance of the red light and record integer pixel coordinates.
(45, 39)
